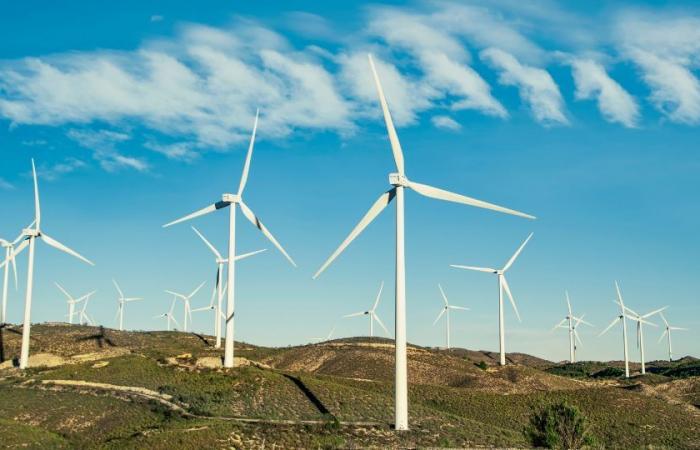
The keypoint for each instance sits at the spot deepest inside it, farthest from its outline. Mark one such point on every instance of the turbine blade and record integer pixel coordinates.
(205, 308)
(615, 320)
(459, 307)
(441, 194)
(504, 283)
(177, 324)
(444, 297)
(379, 295)
(563, 321)
(55, 244)
(246, 166)
(578, 339)
(17, 250)
(197, 290)
(211, 247)
(211, 208)
(175, 294)
(259, 225)
(355, 314)
(664, 319)
(393, 137)
(656, 311)
(568, 303)
(442, 311)
(64, 291)
(381, 324)
(37, 205)
(248, 255)
(14, 265)
(662, 335)
(478, 269)
(517, 253)
(630, 310)
(678, 328)
(373, 212)
(121, 294)
(619, 294)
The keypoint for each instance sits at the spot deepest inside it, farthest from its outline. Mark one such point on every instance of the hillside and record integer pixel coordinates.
(109, 389)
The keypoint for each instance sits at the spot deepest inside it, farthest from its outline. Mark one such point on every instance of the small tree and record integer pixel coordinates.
(559, 425)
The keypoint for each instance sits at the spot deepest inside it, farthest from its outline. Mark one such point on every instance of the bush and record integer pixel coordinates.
(559, 425)
(482, 365)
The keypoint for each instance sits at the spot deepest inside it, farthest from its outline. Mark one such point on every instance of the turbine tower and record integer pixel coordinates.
(29, 236)
(621, 317)
(122, 301)
(372, 314)
(572, 323)
(9, 258)
(169, 315)
(399, 183)
(446, 310)
(502, 286)
(641, 320)
(220, 261)
(667, 333)
(235, 201)
(186, 299)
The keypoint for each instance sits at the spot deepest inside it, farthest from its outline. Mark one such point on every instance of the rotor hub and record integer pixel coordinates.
(231, 198)
(396, 179)
(30, 232)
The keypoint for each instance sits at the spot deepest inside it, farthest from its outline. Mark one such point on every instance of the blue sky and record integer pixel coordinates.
(586, 117)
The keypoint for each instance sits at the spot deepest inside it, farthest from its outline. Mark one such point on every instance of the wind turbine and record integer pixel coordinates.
(122, 302)
(399, 183)
(573, 323)
(502, 286)
(667, 332)
(186, 299)
(371, 313)
(327, 338)
(234, 201)
(641, 320)
(72, 302)
(218, 314)
(9, 258)
(446, 310)
(220, 261)
(620, 318)
(29, 237)
(169, 315)
(84, 318)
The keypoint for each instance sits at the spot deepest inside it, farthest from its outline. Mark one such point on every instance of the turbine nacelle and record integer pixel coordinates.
(397, 179)
(31, 232)
(231, 198)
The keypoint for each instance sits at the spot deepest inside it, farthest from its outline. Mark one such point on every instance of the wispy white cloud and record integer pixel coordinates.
(6, 185)
(103, 144)
(614, 102)
(52, 172)
(536, 86)
(446, 123)
(156, 18)
(666, 48)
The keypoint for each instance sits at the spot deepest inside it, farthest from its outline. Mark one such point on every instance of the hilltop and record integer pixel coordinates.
(110, 389)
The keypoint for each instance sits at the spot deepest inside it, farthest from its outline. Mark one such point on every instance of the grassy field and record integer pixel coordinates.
(330, 395)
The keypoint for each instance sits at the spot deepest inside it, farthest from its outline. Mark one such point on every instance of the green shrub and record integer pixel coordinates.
(482, 365)
(559, 425)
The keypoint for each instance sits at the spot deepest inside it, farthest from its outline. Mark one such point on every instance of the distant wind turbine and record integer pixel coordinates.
(218, 314)
(29, 236)
(502, 286)
(572, 322)
(220, 261)
(84, 318)
(234, 201)
(9, 259)
(72, 301)
(186, 299)
(122, 301)
(667, 333)
(621, 318)
(372, 314)
(641, 320)
(399, 183)
(446, 310)
(327, 338)
(169, 315)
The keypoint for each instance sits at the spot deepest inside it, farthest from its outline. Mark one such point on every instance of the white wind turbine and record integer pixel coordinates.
(122, 301)
(218, 314)
(235, 201)
(219, 289)
(572, 323)
(446, 310)
(399, 182)
(29, 236)
(667, 333)
(641, 320)
(327, 338)
(186, 299)
(9, 258)
(372, 314)
(169, 315)
(72, 302)
(502, 286)
(621, 317)
(84, 318)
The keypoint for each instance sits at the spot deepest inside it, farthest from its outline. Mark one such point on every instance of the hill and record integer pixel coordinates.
(102, 388)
